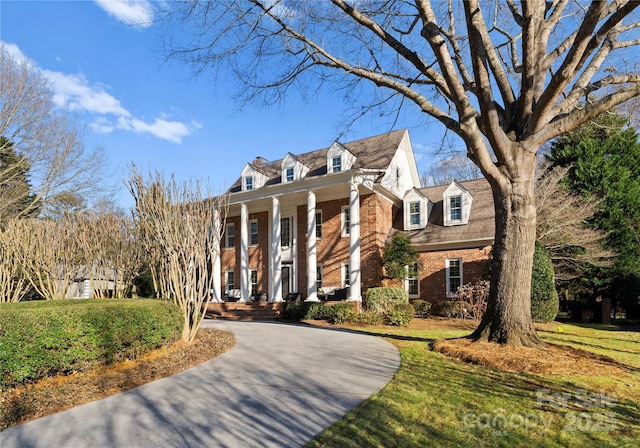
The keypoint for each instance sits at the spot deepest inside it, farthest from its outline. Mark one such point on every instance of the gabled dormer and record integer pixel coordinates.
(292, 169)
(416, 210)
(339, 159)
(252, 177)
(456, 205)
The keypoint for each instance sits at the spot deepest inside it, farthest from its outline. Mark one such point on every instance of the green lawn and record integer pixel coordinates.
(437, 401)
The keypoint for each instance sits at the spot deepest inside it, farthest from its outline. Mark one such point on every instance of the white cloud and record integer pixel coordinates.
(137, 13)
(172, 131)
(75, 92)
(101, 126)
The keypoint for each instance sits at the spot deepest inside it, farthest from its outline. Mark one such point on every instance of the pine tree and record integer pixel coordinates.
(16, 195)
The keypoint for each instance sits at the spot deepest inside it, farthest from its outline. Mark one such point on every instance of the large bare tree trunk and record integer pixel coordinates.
(508, 316)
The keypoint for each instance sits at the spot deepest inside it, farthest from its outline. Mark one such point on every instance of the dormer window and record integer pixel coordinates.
(289, 174)
(336, 164)
(292, 169)
(416, 210)
(456, 204)
(455, 208)
(339, 159)
(248, 183)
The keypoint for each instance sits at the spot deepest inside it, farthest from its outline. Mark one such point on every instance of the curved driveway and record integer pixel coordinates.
(278, 387)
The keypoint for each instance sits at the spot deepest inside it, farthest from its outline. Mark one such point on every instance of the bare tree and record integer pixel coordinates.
(179, 226)
(13, 284)
(111, 255)
(48, 141)
(562, 226)
(503, 76)
(448, 169)
(48, 254)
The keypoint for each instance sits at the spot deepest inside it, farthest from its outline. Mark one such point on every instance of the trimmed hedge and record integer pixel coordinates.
(421, 307)
(454, 308)
(544, 298)
(46, 338)
(380, 300)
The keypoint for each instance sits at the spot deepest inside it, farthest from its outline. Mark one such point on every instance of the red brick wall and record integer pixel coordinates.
(433, 276)
(258, 255)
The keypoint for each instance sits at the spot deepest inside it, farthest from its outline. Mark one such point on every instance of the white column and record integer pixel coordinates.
(275, 267)
(216, 294)
(244, 253)
(312, 286)
(354, 243)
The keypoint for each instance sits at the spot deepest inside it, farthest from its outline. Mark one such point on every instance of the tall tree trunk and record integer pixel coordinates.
(508, 316)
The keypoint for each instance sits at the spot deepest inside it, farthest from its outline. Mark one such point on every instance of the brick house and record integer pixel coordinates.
(316, 224)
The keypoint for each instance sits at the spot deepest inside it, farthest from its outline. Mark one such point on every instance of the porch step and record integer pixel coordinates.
(245, 311)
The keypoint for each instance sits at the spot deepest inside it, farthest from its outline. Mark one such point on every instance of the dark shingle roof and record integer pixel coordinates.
(481, 219)
(371, 153)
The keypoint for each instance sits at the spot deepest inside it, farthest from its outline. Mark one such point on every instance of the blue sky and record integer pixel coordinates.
(107, 68)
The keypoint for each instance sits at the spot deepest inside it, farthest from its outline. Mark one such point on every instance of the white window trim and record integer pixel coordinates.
(286, 172)
(333, 165)
(245, 183)
(448, 292)
(319, 275)
(417, 278)
(226, 280)
(345, 229)
(419, 214)
(253, 285)
(290, 239)
(345, 272)
(227, 245)
(451, 209)
(318, 224)
(251, 243)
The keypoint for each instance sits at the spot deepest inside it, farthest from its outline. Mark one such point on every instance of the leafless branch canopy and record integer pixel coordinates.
(552, 64)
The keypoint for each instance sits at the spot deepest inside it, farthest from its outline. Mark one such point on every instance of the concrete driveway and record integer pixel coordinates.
(278, 387)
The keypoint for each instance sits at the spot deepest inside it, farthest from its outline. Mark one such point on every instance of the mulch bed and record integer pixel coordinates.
(552, 359)
(56, 394)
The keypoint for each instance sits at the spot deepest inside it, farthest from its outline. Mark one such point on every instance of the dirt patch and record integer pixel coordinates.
(57, 394)
(553, 359)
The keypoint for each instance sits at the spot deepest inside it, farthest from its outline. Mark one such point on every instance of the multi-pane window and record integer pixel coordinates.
(455, 208)
(346, 221)
(414, 213)
(336, 164)
(454, 275)
(253, 234)
(319, 224)
(289, 174)
(254, 282)
(413, 280)
(231, 280)
(285, 232)
(230, 234)
(248, 183)
(319, 276)
(345, 275)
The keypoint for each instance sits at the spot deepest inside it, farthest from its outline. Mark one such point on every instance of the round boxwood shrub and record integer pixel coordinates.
(47, 338)
(544, 298)
(379, 300)
(399, 314)
(422, 308)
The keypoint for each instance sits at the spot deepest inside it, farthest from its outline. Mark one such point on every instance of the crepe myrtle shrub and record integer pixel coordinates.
(421, 307)
(476, 295)
(380, 299)
(399, 314)
(544, 298)
(47, 338)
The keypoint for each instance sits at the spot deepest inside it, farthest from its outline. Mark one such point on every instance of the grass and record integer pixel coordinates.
(435, 400)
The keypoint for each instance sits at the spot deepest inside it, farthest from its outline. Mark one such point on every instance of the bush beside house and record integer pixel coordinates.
(544, 298)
